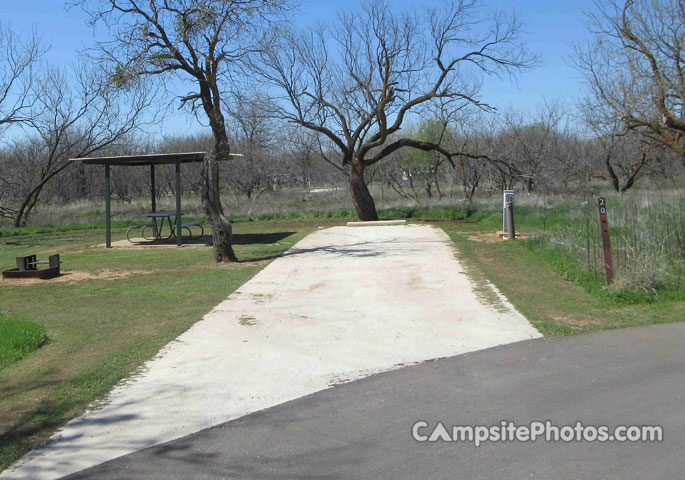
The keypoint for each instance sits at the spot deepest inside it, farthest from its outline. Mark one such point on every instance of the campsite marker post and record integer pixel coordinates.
(606, 240)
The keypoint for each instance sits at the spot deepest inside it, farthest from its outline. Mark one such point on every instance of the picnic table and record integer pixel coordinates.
(157, 230)
(156, 235)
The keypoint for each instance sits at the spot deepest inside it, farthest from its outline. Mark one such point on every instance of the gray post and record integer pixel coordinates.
(108, 222)
(178, 204)
(153, 190)
(153, 194)
(507, 197)
(511, 232)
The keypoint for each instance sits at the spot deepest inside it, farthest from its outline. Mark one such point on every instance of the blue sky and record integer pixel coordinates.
(552, 27)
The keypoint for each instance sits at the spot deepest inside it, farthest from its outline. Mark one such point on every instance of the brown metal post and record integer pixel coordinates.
(511, 231)
(606, 240)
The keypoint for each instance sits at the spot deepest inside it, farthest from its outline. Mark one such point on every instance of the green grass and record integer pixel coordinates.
(102, 329)
(555, 304)
(71, 227)
(18, 338)
(528, 217)
(594, 281)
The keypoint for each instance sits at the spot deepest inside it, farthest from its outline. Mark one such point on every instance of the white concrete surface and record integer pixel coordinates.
(341, 304)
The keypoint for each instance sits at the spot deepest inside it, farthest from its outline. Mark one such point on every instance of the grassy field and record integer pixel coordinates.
(130, 303)
(101, 329)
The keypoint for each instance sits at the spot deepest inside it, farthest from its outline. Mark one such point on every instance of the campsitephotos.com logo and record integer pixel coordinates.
(508, 431)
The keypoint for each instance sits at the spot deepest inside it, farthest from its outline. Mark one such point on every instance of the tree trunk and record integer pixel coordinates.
(27, 205)
(222, 232)
(529, 185)
(634, 170)
(612, 174)
(363, 201)
(464, 183)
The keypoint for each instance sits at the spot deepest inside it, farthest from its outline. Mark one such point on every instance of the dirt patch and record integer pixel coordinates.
(486, 259)
(247, 320)
(205, 241)
(261, 298)
(74, 276)
(495, 237)
(576, 322)
(241, 263)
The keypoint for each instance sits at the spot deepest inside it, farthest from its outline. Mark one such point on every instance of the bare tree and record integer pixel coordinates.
(625, 158)
(623, 153)
(417, 172)
(257, 136)
(357, 81)
(303, 152)
(468, 169)
(191, 175)
(536, 145)
(471, 175)
(487, 141)
(536, 150)
(635, 66)
(71, 117)
(17, 61)
(196, 41)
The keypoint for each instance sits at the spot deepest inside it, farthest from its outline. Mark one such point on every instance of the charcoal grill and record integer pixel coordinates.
(27, 267)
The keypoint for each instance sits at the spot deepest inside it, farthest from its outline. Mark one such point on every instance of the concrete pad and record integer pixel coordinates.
(340, 305)
(377, 223)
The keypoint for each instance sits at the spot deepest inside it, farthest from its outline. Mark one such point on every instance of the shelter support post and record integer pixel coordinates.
(153, 191)
(178, 204)
(153, 194)
(108, 212)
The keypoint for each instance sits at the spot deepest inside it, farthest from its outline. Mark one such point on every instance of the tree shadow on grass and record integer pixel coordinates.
(206, 240)
(259, 238)
(33, 428)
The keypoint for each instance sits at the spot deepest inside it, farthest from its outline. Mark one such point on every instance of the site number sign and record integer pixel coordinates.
(606, 239)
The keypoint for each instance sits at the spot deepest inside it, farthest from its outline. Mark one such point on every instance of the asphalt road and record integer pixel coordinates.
(363, 429)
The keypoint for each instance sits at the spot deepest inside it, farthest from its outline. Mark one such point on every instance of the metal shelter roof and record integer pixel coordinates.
(147, 159)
